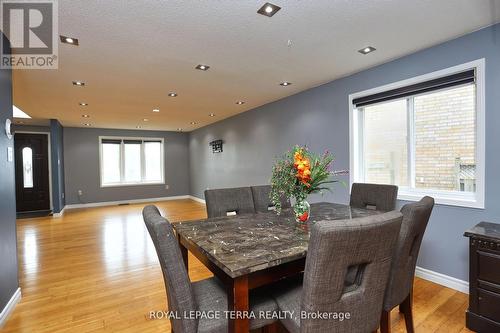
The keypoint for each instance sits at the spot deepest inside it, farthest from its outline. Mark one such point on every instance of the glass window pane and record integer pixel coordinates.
(27, 167)
(110, 163)
(152, 151)
(132, 162)
(445, 139)
(385, 154)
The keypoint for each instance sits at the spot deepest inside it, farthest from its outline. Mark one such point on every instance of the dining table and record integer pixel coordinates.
(249, 251)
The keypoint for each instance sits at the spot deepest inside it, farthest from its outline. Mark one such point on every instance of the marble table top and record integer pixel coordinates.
(244, 244)
(485, 230)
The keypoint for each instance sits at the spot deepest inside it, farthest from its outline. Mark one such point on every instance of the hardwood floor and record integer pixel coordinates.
(96, 270)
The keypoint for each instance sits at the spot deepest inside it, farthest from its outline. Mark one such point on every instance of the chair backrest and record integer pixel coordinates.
(222, 201)
(262, 201)
(178, 286)
(415, 218)
(380, 197)
(334, 248)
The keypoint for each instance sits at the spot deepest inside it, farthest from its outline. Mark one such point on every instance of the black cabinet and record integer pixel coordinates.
(483, 314)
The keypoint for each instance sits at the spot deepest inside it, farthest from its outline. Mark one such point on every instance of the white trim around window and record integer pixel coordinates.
(142, 182)
(453, 198)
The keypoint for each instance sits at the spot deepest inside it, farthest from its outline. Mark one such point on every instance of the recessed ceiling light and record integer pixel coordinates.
(83, 104)
(172, 94)
(268, 9)
(212, 114)
(85, 116)
(179, 129)
(78, 83)
(138, 126)
(86, 124)
(285, 83)
(240, 102)
(145, 119)
(156, 110)
(366, 50)
(69, 40)
(193, 123)
(202, 67)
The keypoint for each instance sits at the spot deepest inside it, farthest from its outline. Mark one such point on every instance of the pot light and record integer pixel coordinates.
(179, 129)
(268, 9)
(367, 50)
(240, 102)
(138, 126)
(212, 114)
(202, 67)
(86, 124)
(156, 110)
(285, 83)
(193, 123)
(69, 40)
(145, 119)
(85, 116)
(83, 104)
(172, 94)
(78, 83)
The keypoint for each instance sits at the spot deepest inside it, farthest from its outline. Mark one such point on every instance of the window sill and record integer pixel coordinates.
(132, 184)
(444, 198)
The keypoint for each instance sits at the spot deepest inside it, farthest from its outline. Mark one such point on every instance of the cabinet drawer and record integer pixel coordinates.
(488, 304)
(488, 266)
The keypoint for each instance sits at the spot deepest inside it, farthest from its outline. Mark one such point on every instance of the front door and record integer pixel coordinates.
(32, 172)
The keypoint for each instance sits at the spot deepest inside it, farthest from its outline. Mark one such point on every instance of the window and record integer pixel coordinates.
(425, 135)
(131, 161)
(27, 154)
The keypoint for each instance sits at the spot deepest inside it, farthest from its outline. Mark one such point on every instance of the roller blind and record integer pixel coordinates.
(452, 80)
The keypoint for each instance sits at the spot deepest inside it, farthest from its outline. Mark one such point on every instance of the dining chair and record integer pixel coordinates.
(399, 289)
(224, 201)
(205, 295)
(375, 196)
(262, 201)
(334, 247)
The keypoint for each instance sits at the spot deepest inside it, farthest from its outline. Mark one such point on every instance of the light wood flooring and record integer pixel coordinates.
(96, 270)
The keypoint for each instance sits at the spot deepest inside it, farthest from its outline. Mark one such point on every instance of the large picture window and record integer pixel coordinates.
(131, 161)
(425, 135)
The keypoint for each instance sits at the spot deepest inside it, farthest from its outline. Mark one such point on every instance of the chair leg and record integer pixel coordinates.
(385, 322)
(407, 309)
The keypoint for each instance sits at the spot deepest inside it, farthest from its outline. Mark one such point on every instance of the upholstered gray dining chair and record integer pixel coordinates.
(334, 247)
(376, 196)
(399, 289)
(261, 199)
(184, 296)
(222, 201)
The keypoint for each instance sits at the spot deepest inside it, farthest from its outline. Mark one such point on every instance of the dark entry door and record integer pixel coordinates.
(32, 172)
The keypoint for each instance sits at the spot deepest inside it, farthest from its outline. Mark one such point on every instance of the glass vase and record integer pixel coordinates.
(301, 210)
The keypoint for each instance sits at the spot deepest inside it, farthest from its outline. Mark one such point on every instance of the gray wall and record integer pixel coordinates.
(81, 152)
(319, 118)
(8, 248)
(57, 165)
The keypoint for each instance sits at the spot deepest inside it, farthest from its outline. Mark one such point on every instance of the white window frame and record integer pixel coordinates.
(452, 198)
(122, 161)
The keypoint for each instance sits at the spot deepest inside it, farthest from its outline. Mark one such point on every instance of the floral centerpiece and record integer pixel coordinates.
(299, 173)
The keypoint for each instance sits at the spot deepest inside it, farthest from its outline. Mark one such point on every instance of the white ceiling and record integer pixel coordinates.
(132, 53)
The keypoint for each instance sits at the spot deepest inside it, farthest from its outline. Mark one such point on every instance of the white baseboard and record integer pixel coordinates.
(115, 203)
(444, 280)
(60, 213)
(192, 197)
(10, 307)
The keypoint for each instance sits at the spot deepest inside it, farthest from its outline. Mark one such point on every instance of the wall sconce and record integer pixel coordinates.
(216, 146)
